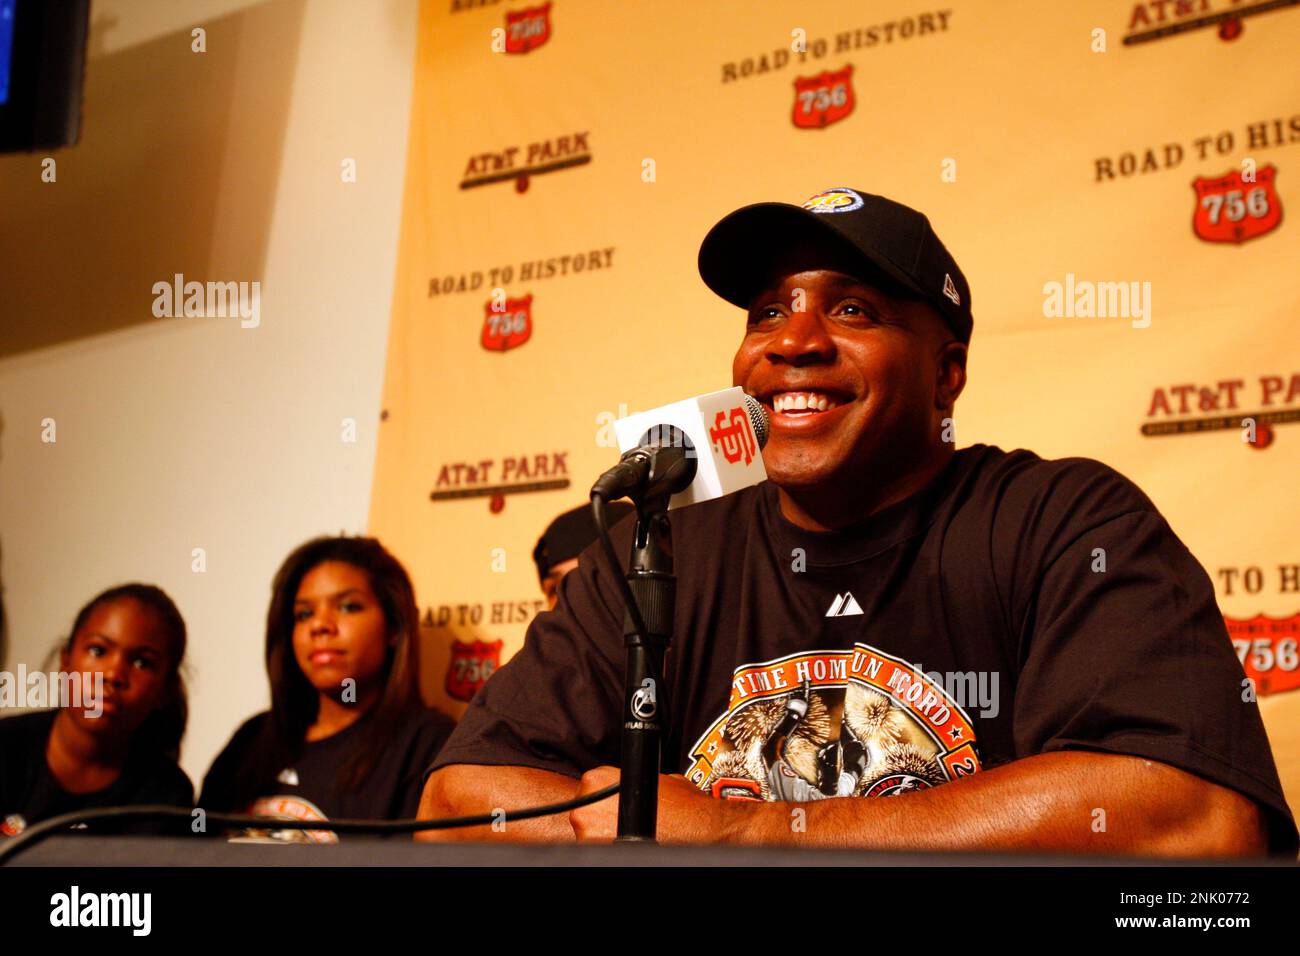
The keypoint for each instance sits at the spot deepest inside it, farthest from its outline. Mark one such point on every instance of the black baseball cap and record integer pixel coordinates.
(569, 534)
(878, 236)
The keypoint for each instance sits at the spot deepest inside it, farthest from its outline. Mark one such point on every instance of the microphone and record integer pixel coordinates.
(694, 450)
(680, 454)
(662, 463)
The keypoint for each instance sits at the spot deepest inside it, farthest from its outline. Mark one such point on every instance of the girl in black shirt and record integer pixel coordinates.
(347, 734)
(111, 750)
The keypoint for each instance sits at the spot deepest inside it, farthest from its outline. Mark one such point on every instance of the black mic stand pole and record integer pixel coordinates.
(645, 704)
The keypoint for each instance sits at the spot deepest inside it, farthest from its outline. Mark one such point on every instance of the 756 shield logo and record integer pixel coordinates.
(1269, 651)
(470, 666)
(510, 328)
(824, 99)
(528, 28)
(1229, 209)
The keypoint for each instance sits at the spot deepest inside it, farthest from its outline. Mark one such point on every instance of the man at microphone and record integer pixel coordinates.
(1020, 649)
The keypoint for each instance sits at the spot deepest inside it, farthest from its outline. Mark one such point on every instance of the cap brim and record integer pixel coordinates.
(742, 254)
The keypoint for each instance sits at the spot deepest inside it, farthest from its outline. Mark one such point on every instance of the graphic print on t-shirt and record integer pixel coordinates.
(287, 807)
(840, 723)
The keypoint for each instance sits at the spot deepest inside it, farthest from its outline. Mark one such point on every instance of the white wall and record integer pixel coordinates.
(177, 434)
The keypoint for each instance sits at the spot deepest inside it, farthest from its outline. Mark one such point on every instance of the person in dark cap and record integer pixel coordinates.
(563, 540)
(1021, 650)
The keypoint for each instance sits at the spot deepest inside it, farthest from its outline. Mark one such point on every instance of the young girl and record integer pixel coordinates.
(347, 735)
(110, 750)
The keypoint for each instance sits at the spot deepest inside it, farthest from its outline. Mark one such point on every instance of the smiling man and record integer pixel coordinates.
(1020, 650)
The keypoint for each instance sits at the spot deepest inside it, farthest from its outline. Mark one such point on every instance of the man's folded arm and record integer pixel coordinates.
(461, 790)
(1063, 802)
(1123, 651)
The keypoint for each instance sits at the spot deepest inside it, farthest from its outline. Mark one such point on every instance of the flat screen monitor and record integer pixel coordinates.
(42, 62)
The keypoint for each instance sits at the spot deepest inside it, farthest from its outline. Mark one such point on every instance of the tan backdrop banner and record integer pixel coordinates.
(1114, 178)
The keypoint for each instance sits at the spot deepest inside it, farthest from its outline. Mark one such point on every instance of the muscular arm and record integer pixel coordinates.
(467, 789)
(1045, 803)
(1056, 802)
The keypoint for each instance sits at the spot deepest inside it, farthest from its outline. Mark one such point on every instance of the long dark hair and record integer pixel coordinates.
(162, 730)
(295, 702)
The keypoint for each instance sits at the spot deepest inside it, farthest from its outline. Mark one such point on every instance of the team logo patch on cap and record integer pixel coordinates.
(838, 199)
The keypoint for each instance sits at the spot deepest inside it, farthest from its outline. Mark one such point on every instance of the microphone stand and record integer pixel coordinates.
(645, 706)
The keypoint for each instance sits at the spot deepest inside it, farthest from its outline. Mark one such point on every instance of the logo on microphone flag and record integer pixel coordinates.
(722, 434)
(733, 436)
(1230, 209)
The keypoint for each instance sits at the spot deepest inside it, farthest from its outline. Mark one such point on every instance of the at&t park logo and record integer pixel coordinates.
(1160, 19)
(522, 162)
(1192, 408)
(494, 478)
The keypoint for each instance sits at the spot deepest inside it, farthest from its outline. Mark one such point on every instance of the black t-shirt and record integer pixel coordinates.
(311, 788)
(29, 792)
(1015, 606)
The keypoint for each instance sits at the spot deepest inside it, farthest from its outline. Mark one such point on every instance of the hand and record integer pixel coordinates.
(686, 814)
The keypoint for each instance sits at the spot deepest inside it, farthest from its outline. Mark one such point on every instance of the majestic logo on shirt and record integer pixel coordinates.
(1231, 209)
(1269, 651)
(833, 724)
(844, 605)
(733, 436)
(13, 825)
(822, 100)
(471, 664)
